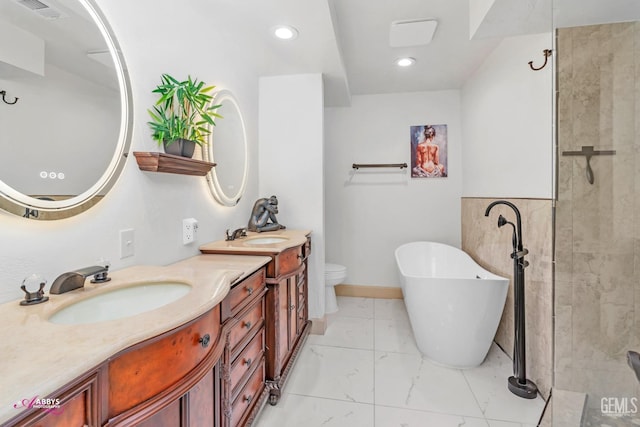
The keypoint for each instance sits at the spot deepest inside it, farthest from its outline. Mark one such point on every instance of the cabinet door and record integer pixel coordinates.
(78, 407)
(283, 321)
(293, 310)
(202, 401)
(169, 416)
(302, 302)
(73, 413)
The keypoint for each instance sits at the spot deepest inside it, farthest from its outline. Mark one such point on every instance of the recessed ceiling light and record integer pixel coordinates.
(285, 32)
(405, 62)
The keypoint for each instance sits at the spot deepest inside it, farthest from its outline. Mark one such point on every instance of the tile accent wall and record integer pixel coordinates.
(598, 226)
(491, 247)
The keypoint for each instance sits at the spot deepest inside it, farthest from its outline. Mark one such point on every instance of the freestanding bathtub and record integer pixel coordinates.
(454, 305)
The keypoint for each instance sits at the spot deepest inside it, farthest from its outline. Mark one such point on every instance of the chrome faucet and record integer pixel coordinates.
(75, 279)
(237, 233)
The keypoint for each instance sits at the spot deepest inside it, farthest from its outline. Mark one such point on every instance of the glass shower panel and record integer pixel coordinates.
(597, 230)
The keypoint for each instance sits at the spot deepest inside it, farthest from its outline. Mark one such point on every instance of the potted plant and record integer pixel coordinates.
(183, 115)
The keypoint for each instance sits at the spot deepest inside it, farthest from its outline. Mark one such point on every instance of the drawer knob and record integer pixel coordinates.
(247, 399)
(247, 362)
(247, 325)
(249, 290)
(204, 341)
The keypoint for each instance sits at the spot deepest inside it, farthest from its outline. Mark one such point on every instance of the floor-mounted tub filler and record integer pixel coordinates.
(454, 305)
(518, 384)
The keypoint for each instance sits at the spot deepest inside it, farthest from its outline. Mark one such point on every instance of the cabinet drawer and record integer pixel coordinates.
(286, 262)
(251, 355)
(250, 392)
(153, 366)
(242, 293)
(251, 320)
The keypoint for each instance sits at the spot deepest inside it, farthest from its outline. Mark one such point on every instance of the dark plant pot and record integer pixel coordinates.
(180, 147)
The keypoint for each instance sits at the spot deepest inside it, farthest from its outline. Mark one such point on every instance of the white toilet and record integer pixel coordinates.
(334, 274)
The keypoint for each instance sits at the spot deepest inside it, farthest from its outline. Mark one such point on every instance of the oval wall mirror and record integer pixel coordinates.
(227, 148)
(65, 140)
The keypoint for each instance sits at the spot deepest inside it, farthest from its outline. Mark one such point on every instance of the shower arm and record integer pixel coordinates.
(518, 220)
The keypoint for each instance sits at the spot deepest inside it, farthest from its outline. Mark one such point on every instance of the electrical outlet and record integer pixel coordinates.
(189, 230)
(127, 243)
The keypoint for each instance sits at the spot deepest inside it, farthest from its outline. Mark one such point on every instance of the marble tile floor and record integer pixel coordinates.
(366, 371)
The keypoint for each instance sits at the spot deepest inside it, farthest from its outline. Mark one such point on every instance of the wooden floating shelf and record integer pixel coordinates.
(168, 163)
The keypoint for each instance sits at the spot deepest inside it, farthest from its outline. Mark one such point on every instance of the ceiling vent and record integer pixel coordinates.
(41, 9)
(415, 32)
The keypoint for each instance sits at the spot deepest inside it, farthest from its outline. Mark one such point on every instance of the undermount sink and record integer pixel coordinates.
(120, 303)
(265, 240)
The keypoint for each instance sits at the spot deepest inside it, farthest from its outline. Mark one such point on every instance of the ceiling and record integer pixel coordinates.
(348, 40)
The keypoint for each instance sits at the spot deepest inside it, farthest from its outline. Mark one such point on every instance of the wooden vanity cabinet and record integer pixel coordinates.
(287, 311)
(243, 363)
(159, 382)
(170, 380)
(211, 371)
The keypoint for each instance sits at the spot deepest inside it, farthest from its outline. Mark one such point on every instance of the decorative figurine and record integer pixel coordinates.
(265, 210)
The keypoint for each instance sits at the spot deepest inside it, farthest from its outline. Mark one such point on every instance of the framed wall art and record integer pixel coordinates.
(429, 151)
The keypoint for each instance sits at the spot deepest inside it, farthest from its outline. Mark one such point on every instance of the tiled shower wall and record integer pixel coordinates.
(491, 248)
(597, 291)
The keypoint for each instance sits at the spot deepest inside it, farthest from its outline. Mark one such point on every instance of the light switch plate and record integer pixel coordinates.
(127, 243)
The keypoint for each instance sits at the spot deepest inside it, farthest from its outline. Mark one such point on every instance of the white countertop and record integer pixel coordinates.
(292, 238)
(38, 357)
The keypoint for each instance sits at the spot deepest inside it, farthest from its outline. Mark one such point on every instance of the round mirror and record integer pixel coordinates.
(227, 148)
(66, 113)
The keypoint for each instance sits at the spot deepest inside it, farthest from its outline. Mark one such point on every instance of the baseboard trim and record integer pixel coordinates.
(384, 292)
(319, 326)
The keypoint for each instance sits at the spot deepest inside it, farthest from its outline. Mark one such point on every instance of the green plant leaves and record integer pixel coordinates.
(182, 110)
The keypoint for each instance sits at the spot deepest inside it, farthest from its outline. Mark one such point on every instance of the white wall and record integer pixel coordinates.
(291, 163)
(372, 211)
(153, 204)
(508, 122)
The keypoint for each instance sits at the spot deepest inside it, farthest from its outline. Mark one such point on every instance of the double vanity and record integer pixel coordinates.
(205, 341)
